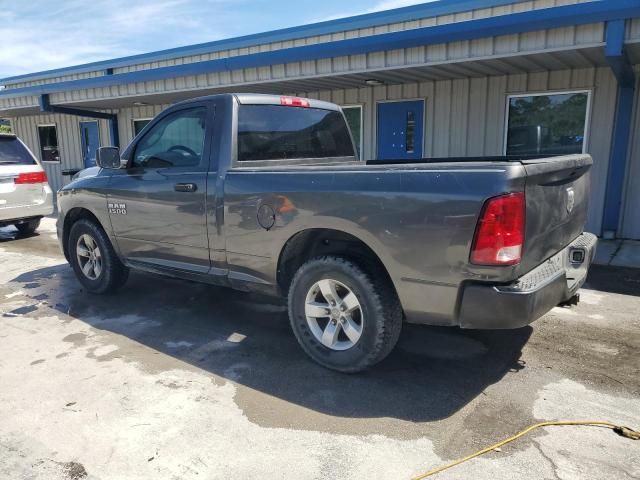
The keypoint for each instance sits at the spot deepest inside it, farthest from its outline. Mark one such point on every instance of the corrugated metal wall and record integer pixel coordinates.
(631, 208)
(431, 55)
(70, 147)
(126, 116)
(62, 78)
(632, 31)
(466, 117)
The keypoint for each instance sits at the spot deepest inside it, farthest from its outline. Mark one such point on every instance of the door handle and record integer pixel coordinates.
(185, 187)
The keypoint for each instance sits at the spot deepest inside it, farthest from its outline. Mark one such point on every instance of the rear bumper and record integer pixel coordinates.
(10, 214)
(532, 295)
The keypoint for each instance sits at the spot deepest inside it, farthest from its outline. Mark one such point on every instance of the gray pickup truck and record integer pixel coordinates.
(266, 193)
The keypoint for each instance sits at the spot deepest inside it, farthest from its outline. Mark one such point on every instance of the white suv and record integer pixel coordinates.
(25, 195)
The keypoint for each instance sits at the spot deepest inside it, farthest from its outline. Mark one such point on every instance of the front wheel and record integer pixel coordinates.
(93, 258)
(344, 318)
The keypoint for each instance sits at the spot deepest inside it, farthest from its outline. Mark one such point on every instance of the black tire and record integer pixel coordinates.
(29, 227)
(381, 314)
(113, 274)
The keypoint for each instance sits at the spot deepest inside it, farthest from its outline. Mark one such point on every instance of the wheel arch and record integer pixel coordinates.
(71, 217)
(313, 242)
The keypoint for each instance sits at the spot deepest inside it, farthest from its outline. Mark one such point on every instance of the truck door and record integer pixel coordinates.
(158, 205)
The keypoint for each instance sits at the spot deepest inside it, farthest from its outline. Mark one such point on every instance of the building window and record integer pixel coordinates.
(139, 124)
(411, 132)
(48, 143)
(5, 126)
(353, 115)
(550, 123)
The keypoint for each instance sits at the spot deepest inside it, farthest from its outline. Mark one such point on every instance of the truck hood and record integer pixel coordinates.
(87, 172)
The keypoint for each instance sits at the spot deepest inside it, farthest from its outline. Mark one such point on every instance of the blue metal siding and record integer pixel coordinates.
(630, 224)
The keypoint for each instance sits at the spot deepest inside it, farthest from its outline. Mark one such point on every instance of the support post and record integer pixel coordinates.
(113, 127)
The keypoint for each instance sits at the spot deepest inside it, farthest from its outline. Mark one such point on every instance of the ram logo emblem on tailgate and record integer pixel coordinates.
(571, 199)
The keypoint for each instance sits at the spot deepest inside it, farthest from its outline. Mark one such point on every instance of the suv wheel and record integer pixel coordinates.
(93, 258)
(343, 318)
(28, 227)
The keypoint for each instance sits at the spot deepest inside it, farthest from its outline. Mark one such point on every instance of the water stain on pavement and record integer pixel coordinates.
(78, 339)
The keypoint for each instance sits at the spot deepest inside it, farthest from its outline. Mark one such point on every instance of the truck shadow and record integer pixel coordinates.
(432, 374)
(621, 280)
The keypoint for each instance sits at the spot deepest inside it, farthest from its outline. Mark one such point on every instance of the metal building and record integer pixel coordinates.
(447, 78)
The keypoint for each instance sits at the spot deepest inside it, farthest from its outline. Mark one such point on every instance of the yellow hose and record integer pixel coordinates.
(620, 430)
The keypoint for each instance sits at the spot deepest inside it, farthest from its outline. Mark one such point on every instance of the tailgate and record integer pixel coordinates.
(557, 194)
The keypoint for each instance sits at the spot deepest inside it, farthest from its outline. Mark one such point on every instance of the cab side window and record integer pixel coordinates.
(176, 141)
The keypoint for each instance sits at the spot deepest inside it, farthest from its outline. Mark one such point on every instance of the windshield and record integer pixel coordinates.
(13, 152)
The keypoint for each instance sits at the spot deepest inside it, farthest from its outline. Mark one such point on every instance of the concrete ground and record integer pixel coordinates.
(618, 253)
(169, 379)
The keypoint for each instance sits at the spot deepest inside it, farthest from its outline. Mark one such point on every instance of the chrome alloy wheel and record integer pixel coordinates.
(334, 314)
(89, 257)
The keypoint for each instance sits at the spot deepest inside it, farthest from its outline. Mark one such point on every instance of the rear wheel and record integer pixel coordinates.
(344, 318)
(93, 258)
(28, 227)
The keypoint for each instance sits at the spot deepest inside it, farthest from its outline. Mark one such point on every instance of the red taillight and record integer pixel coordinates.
(294, 102)
(500, 232)
(31, 177)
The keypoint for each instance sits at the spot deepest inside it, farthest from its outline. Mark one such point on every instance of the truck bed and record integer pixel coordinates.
(486, 158)
(419, 217)
(556, 194)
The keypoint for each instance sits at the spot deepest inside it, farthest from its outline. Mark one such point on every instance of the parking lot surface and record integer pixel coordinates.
(171, 379)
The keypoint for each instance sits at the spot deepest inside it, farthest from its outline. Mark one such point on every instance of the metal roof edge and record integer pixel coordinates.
(576, 14)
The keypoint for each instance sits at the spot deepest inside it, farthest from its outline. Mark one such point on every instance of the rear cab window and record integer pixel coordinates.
(13, 152)
(268, 133)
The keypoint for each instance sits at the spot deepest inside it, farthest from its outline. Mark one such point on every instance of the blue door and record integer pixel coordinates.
(400, 130)
(90, 142)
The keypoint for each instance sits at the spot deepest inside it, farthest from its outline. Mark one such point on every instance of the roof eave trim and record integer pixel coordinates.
(534, 20)
(368, 20)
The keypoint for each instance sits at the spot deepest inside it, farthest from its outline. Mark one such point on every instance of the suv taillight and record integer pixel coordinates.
(500, 231)
(31, 177)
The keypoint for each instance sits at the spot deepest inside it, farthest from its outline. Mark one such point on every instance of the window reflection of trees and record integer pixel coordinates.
(547, 123)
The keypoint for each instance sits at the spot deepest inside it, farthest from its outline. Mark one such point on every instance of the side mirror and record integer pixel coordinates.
(109, 157)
